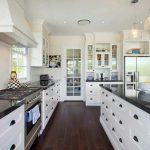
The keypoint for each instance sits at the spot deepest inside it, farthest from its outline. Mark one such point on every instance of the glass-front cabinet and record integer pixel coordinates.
(102, 59)
(73, 72)
(90, 58)
(114, 57)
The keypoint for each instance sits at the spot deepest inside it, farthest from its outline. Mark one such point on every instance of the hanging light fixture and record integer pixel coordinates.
(135, 29)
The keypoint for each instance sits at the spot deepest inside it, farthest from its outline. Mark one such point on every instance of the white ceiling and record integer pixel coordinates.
(117, 14)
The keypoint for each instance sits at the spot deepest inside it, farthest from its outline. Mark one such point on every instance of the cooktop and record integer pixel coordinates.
(17, 94)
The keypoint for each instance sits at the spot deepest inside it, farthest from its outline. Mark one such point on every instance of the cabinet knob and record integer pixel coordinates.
(46, 116)
(120, 122)
(136, 117)
(106, 95)
(91, 91)
(113, 114)
(13, 147)
(102, 92)
(12, 122)
(106, 119)
(120, 105)
(91, 98)
(46, 104)
(52, 107)
(113, 129)
(120, 140)
(135, 139)
(46, 93)
(107, 107)
(102, 114)
(102, 102)
(113, 100)
(91, 85)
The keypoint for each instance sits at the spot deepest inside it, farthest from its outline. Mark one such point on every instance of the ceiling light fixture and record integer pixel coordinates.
(84, 22)
(135, 30)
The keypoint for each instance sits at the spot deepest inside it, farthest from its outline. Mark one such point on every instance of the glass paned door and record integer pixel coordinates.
(73, 78)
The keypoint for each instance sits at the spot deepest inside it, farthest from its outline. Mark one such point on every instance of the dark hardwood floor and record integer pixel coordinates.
(74, 127)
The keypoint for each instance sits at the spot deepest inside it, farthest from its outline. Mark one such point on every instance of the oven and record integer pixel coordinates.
(32, 118)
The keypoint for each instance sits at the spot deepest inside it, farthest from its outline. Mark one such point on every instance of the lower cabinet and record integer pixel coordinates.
(51, 97)
(127, 126)
(12, 130)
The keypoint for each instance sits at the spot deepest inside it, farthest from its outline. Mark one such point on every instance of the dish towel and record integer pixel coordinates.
(35, 114)
(29, 116)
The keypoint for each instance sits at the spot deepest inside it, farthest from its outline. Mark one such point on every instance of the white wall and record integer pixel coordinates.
(4, 65)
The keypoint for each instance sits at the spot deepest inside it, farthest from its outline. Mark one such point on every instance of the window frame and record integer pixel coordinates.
(27, 78)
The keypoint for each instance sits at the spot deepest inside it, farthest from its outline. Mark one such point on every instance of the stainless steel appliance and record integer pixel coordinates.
(44, 80)
(136, 70)
(31, 97)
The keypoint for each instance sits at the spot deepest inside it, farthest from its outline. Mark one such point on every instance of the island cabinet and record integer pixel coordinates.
(127, 126)
(12, 130)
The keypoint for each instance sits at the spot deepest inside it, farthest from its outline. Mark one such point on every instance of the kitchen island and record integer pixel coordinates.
(93, 87)
(126, 120)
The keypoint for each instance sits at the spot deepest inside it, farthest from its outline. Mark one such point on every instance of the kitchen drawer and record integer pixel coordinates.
(13, 141)
(12, 120)
(119, 137)
(138, 141)
(139, 119)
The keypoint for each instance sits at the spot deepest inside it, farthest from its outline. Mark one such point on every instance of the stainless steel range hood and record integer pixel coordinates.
(14, 27)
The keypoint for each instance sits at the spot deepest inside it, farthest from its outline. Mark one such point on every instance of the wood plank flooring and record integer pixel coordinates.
(74, 127)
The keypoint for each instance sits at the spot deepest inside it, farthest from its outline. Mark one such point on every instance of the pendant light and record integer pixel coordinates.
(135, 30)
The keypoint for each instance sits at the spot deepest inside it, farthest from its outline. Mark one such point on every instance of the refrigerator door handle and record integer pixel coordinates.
(134, 77)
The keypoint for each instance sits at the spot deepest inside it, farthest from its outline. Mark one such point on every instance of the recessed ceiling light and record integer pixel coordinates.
(65, 22)
(102, 21)
(141, 22)
(84, 22)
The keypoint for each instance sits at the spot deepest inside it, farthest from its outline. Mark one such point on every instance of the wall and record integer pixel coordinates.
(4, 65)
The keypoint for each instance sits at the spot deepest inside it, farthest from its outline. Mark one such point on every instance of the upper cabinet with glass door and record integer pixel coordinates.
(102, 55)
(40, 55)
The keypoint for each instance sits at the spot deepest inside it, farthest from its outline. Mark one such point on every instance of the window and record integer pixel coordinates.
(19, 62)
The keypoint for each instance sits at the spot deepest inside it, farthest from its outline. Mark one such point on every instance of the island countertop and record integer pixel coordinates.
(105, 81)
(136, 100)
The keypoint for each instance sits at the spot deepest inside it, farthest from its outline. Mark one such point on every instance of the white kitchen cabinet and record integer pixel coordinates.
(102, 60)
(40, 55)
(51, 97)
(12, 130)
(126, 125)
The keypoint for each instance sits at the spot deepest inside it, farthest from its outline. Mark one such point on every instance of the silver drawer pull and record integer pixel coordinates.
(12, 123)
(13, 147)
(136, 117)
(135, 139)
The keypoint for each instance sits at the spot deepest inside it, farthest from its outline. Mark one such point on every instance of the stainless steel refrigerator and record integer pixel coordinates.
(136, 70)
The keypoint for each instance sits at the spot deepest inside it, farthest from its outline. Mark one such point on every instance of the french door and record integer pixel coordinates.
(73, 75)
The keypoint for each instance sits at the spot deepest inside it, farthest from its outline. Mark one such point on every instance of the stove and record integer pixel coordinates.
(14, 96)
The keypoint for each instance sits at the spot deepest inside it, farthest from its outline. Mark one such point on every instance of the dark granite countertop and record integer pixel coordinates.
(104, 80)
(37, 84)
(6, 107)
(140, 100)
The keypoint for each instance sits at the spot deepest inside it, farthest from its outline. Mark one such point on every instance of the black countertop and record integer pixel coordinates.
(104, 80)
(37, 84)
(6, 107)
(14, 101)
(142, 102)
